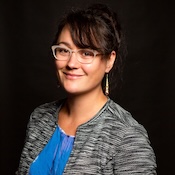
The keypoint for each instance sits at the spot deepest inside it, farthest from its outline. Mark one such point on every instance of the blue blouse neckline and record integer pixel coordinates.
(65, 132)
(53, 158)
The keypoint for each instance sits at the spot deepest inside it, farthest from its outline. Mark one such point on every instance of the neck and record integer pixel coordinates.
(83, 107)
(79, 109)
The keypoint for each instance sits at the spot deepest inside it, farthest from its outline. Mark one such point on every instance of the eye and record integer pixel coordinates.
(62, 51)
(86, 53)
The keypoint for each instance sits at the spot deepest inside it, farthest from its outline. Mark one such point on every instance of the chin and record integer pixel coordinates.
(72, 91)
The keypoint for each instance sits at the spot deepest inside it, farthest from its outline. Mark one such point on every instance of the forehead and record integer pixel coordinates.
(64, 35)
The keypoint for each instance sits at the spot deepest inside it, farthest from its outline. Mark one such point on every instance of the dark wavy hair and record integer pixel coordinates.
(98, 28)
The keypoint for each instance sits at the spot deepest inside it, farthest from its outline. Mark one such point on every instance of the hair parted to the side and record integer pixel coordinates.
(98, 28)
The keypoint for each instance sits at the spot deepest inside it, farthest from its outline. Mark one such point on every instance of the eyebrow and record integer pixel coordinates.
(65, 43)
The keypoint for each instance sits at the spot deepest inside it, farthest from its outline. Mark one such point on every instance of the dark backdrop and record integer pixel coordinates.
(27, 76)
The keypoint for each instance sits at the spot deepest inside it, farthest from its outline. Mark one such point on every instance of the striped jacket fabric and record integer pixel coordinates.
(112, 142)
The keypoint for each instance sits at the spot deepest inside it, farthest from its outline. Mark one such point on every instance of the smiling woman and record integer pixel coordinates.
(82, 66)
(87, 132)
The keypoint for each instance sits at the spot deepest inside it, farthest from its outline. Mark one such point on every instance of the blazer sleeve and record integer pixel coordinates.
(136, 156)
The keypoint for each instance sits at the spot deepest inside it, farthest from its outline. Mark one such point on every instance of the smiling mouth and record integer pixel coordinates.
(72, 76)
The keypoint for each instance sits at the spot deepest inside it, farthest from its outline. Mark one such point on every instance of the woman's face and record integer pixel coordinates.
(78, 78)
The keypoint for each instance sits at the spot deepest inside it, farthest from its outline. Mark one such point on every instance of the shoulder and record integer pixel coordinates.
(45, 114)
(40, 128)
(118, 121)
(49, 107)
(134, 145)
(42, 122)
(118, 114)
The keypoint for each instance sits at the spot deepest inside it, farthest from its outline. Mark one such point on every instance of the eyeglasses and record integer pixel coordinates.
(85, 56)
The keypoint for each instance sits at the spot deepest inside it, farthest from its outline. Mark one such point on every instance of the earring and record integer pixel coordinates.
(107, 85)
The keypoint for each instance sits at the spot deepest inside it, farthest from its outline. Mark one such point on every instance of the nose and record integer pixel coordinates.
(73, 62)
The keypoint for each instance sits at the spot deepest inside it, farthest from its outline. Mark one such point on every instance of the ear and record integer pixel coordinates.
(110, 61)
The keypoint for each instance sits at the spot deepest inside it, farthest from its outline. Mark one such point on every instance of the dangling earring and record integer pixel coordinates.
(107, 85)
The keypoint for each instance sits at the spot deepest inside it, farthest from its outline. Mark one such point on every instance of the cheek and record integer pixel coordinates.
(95, 71)
(95, 66)
(88, 69)
(60, 64)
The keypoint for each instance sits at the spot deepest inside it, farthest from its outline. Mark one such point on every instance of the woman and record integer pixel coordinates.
(86, 133)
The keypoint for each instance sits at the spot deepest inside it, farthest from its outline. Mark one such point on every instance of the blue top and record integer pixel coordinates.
(53, 158)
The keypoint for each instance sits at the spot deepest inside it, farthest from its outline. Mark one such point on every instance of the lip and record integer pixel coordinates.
(72, 76)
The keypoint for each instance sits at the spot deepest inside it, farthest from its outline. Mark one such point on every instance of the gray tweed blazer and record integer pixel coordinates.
(112, 142)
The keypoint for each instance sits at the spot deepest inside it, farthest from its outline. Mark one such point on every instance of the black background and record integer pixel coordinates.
(27, 75)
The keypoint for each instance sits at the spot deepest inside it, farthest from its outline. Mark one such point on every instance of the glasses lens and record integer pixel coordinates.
(83, 55)
(61, 53)
(86, 55)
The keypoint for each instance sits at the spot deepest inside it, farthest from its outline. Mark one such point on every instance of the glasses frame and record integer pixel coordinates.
(73, 51)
